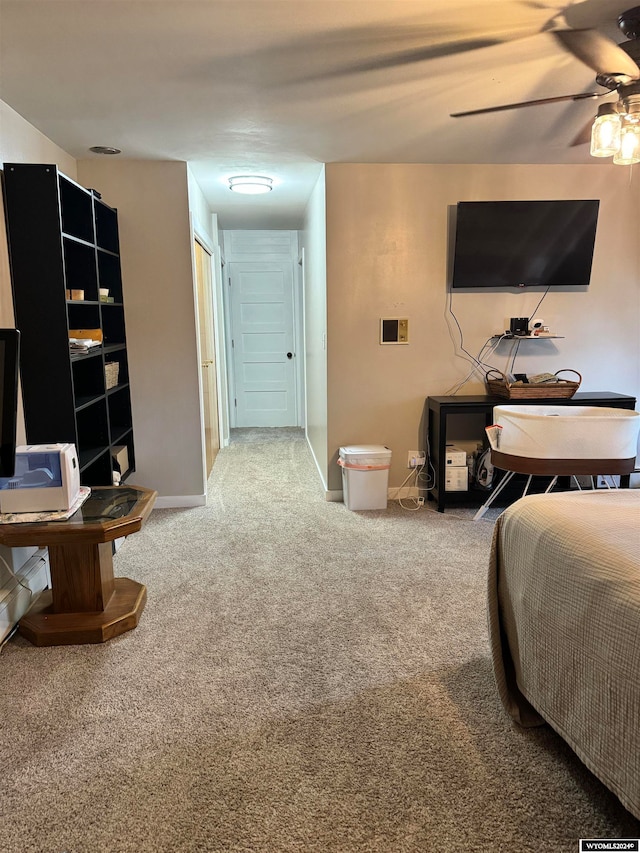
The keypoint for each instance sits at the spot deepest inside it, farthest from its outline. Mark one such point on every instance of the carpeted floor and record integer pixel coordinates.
(303, 678)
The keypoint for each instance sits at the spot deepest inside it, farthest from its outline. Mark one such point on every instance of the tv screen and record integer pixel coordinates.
(524, 243)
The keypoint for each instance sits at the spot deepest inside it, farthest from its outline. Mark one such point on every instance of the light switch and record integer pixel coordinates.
(394, 330)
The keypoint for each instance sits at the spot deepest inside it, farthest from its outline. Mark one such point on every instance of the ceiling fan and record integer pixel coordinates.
(616, 129)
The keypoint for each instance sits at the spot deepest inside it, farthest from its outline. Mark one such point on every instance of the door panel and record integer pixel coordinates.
(262, 333)
(207, 354)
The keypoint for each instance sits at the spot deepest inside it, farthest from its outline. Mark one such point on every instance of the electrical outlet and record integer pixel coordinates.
(415, 458)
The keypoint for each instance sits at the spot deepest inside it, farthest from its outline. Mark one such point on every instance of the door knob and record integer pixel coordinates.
(289, 355)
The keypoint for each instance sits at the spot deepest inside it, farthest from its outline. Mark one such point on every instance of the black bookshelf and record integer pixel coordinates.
(63, 238)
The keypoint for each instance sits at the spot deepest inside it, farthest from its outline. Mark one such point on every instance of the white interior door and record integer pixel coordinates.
(262, 321)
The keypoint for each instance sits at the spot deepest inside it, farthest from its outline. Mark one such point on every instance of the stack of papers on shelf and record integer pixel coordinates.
(82, 344)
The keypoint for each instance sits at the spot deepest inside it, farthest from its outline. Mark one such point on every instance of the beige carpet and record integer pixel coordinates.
(303, 678)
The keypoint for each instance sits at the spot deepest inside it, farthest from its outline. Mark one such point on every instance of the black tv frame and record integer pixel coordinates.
(9, 362)
(588, 205)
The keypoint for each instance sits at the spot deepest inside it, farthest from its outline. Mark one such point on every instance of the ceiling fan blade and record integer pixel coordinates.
(358, 50)
(579, 97)
(583, 137)
(401, 58)
(598, 52)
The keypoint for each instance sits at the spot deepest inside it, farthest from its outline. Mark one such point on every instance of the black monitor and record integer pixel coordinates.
(9, 358)
(524, 243)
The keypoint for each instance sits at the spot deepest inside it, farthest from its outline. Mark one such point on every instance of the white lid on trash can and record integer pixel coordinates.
(365, 454)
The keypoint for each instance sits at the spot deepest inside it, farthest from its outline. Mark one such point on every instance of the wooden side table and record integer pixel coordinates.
(86, 604)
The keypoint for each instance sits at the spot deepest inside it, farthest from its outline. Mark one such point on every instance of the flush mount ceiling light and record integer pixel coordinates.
(250, 184)
(105, 149)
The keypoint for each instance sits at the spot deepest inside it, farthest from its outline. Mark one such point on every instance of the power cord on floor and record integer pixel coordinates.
(448, 514)
(418, 502)
(15, 576)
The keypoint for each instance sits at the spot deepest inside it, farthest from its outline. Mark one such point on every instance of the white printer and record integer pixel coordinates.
(46, 478)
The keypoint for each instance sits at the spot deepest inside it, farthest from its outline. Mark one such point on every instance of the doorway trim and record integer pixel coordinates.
(214, 252)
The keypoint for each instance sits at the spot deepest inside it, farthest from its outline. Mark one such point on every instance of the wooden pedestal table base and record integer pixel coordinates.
(86, 604)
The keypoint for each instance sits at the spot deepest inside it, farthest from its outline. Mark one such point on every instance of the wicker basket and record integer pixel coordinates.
(111, 371)
(499, 386)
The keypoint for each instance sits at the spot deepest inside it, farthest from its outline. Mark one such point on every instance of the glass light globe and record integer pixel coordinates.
(629, 151)
(605, 135)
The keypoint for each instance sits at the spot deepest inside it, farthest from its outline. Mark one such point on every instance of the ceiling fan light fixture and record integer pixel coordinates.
(605, 132)
(250, 184)
(629, 151)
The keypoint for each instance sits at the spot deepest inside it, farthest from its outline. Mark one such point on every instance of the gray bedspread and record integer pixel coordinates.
(564, 621)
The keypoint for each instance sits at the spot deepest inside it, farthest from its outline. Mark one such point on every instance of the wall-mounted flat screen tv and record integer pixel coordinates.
(524, 243)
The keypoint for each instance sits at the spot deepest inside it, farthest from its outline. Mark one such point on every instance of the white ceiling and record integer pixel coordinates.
(279, 87)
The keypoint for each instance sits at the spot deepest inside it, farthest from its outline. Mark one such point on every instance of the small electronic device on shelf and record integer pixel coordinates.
(46, 478)
(519, 326)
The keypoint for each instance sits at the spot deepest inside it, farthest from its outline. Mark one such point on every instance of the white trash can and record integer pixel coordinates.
(365, 475)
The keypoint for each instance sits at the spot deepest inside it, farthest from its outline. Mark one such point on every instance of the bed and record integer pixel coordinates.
(564, 622)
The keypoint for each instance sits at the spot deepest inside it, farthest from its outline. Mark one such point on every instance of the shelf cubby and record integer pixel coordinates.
(109, 275)
(76, 210)
(88, 381)
(124, 440)
(80, 268)
(113, 324)
(83, 315)
(98, 471)
(106, 227)
(120, 356)
(119, 405)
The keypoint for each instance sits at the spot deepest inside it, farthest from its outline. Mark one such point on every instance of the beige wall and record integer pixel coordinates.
(157, 273)
(387, 256)
(314, 243)
(20, 142)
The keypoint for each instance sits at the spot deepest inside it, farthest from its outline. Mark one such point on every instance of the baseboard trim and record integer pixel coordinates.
(315, 459)
(393, 494)
(403, 492)
(179, 501)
